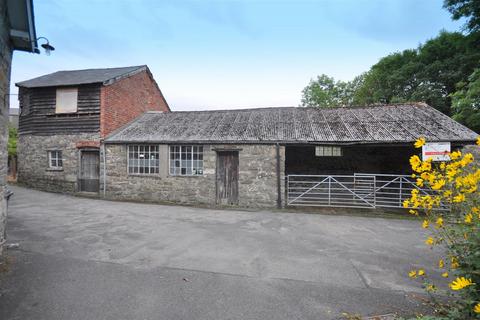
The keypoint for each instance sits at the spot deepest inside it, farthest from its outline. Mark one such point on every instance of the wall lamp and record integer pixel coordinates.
(48, 48)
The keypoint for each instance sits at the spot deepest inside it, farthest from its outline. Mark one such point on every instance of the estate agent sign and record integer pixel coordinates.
(437, 151)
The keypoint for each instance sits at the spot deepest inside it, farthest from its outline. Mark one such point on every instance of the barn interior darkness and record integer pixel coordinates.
(353, 159)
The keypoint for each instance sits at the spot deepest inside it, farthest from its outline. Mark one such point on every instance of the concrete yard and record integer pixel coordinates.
(82, 258)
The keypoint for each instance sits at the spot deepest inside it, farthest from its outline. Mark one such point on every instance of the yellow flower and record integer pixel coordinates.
(460, 283)
(439, 222)
(447, 193)
(429, 241)
(476, 309)
(406, 203)
(459, 198)
(415, 162)
(438, 184)
(426, 176)
(419, 143)
(478, 141)
(445, 274)
(475, 210)
(468, 218)
(467, 158)
(454, 263)
(421, 272)
(426, 165)
(425, 224)
(412, 274)
(451, 174)
(441, 264)
(414, 212)
(420, 182)
(455, 155)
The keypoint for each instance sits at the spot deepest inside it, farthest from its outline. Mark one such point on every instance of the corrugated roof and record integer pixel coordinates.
(401, 123)
(76, 77)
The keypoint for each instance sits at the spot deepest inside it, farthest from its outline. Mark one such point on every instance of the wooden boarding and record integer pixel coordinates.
(227, 177)
(89, 171)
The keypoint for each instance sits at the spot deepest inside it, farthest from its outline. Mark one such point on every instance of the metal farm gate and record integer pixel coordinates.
(360, 190)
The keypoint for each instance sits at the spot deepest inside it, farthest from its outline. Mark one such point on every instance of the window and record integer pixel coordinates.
(186, 160)
(328, 151)
(55, 160)
(143, 159)
(66, 100)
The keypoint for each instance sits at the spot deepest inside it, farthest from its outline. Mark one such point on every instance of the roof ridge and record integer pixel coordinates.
(393, 105)
(76, 70)
(82, 76)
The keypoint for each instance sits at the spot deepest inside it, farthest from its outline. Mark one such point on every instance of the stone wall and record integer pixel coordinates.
(257, 178)
(5, 64)
(33, 167)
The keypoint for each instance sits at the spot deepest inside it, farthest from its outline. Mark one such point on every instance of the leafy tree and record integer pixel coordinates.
(390, 80)
(325, 92)
(469, 9)
(429, 73)
(466, 102)
(12, 141)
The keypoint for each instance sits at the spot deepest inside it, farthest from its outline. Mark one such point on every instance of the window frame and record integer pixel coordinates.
(58, 159)
(156, 170)
(199, 153)
(58, 109)
(334, 151)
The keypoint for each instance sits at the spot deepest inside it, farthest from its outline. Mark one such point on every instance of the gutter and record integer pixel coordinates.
(104, 176)
(31, 26)
(288, 143)
(279, 180)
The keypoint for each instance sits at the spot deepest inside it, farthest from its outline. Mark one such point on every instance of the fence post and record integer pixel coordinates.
(374, 191)
(329, 189)
(401, 192)
(287, 187)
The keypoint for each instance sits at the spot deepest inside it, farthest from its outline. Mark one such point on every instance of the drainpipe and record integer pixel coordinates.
(104, 156)
(279, 188)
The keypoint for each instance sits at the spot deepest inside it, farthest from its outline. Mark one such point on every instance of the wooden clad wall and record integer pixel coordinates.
(37, 113)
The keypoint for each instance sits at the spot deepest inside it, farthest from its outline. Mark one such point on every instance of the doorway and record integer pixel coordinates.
(227, 177)
(89, 175)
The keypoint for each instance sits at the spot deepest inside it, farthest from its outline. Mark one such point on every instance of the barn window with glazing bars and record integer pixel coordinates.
(143, 159)
(55, 160)
(186, 160)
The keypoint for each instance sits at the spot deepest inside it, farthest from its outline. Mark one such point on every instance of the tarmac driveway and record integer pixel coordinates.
(81, 258)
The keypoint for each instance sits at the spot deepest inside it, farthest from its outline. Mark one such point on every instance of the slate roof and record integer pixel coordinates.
(402, 123)
(76, 77)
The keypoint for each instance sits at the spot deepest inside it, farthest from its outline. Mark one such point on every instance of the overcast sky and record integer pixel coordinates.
(229, 54)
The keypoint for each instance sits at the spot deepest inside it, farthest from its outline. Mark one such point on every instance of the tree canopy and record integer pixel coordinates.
(468, 9)
(442, 72)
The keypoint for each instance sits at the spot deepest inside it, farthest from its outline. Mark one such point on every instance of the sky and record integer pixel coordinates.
(229, 54)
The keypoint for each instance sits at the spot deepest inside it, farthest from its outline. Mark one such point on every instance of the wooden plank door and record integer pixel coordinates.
(227, 177)
(89, 171)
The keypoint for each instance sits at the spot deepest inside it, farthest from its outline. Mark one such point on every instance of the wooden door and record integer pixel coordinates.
(227, 177)
(89, 171)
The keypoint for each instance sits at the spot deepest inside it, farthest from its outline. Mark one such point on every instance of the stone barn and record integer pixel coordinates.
(252, 157)
(65, 115)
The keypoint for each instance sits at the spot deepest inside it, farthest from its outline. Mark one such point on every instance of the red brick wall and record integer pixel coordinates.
(126, 99)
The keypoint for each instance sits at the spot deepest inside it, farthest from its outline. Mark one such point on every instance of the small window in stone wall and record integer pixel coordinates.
(186, 160)
(143, 159)
(55, 160)
(328, 151)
